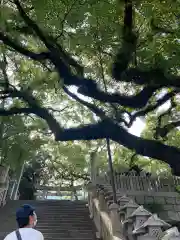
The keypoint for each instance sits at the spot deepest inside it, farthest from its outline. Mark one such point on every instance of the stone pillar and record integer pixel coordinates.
(93, 167)
(117, 227)
(101, 200)
(92, 193)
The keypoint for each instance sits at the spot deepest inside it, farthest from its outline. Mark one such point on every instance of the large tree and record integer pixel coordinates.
(121, 57)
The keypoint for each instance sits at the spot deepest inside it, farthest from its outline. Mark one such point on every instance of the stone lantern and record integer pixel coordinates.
(123, 200)
(139, 217)
(125, 211)
(128, 208)
(151, 229)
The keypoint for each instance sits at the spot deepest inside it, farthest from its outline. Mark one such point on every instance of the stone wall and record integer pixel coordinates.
(167, 207)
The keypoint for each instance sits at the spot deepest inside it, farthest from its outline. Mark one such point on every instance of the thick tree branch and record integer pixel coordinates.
(49, 42)
(106, 129)
(90, 106)
(34, 108)
(151, 108)
(87, 87)
(40, 112)
(32, 24)
(151, 80)
(153, 77)
(136, 101)
(129, 41)
(163, 131)
(13, 44)
(145, 147)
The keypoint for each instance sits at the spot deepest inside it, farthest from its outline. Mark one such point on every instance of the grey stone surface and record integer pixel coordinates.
(174, 216)
(132, 197)
(149, 199)
(177, 208)
(177, 200)
(168, 207)
(160, 200)
(140, 200)
(163, 215)
(170, 200)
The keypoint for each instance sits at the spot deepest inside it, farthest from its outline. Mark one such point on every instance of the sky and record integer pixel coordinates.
(137, 127)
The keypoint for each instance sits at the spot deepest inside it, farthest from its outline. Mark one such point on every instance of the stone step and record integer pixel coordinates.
(69, 238)
(48, 229)
(61, 238)
(64, 220)
(62, 234)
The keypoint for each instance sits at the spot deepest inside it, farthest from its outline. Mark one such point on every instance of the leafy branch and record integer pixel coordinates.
(72, 74)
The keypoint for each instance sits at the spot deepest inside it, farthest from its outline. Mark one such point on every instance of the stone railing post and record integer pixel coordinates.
(92, 193)
(117, 228)
(93, 168)
(101, 200)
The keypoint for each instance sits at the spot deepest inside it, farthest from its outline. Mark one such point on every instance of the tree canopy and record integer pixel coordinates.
(113, 61)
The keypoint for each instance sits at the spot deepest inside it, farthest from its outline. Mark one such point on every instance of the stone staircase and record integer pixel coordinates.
(64, 220)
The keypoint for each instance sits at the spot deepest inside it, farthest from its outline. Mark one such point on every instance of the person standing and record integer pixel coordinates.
(26, 219)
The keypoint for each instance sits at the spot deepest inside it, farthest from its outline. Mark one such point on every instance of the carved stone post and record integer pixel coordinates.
(101, 200)
(92, 193)
(125, 211)
(117, 228)
(128, 208)
(93, 167)
(123, 200)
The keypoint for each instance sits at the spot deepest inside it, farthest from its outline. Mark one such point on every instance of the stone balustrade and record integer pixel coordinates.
(126, 219)
(132, 182)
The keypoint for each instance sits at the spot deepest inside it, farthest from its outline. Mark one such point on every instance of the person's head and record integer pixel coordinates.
(26, 216)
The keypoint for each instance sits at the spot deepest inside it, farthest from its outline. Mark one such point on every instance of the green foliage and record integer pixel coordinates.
(17, 145)
(92, 36)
